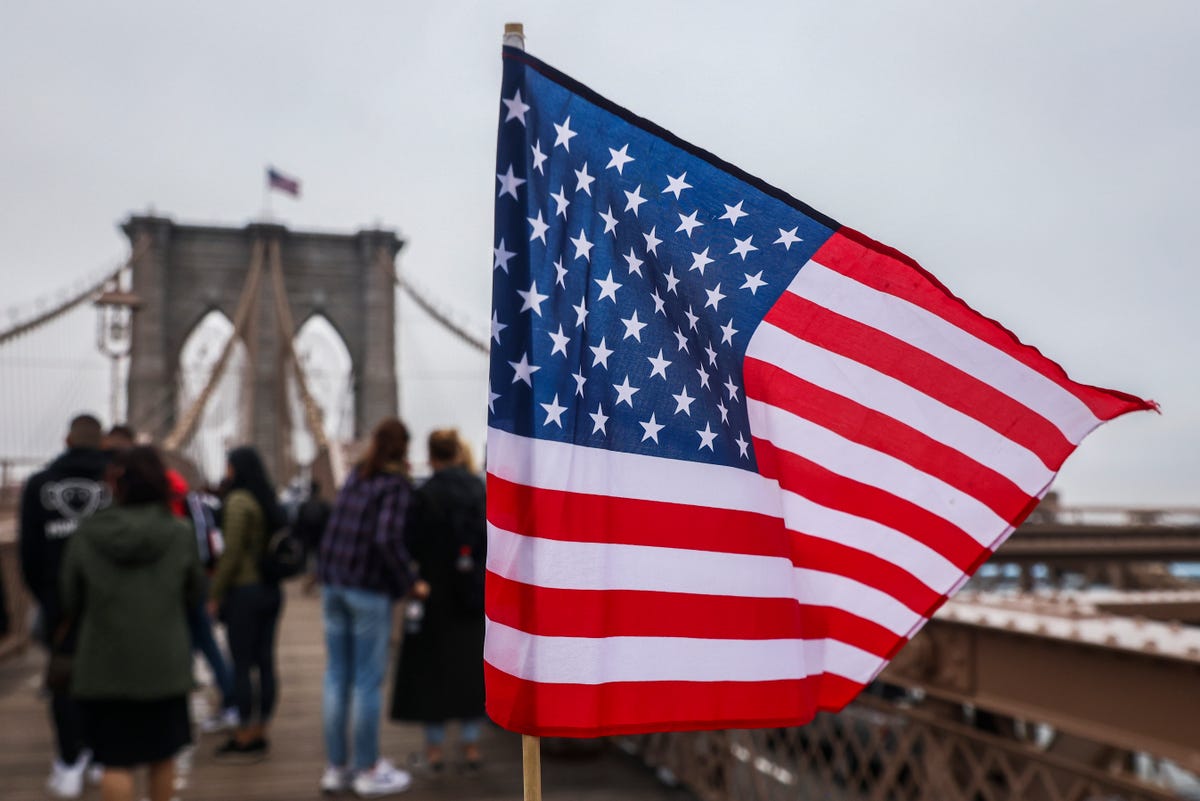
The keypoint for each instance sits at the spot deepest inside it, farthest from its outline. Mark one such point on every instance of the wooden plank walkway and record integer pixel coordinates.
(297, 754)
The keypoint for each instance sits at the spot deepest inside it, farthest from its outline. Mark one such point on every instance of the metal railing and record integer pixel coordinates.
(877, 751)
(19, 603)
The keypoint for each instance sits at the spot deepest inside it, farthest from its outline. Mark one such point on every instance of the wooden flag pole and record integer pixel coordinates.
(514, 35)
(531, 747)
(531, 760)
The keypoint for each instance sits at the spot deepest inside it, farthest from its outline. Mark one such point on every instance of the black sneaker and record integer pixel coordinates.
(233, 751)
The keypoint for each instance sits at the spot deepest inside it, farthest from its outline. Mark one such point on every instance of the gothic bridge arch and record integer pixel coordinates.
(186, 271)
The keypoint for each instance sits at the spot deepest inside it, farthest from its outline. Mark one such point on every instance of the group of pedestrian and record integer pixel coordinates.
(387, 541)
(130, 569)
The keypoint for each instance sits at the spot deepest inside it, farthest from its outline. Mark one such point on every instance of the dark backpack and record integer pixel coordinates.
(284, 557)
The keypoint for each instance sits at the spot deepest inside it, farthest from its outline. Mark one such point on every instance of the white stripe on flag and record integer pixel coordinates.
(845, 457)
(928, 332)
(898, 400)
(559, 564)
(600, 660)
(922, 562)
(546, 464)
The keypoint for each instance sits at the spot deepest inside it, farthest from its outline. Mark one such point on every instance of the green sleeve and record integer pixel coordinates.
(70, 578)
(235, 528)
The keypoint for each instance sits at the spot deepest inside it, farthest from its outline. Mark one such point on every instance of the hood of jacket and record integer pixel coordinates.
(131, 535)
(87, 462)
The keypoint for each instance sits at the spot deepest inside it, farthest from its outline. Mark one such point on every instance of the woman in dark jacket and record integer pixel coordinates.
(249, 605)
(130, 574)
(439, 674)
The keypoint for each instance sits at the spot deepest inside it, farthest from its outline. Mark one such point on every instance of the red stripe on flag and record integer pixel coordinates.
(630, 613)
(597, 710)
(803, 477)
(578, 517)
(885, 353)
(857, 256)
(873, 429)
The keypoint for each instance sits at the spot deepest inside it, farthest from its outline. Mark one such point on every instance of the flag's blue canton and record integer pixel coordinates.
(629, 275)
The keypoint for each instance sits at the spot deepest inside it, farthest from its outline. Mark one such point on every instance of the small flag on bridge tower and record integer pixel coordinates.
(284, 183)
(738, 454)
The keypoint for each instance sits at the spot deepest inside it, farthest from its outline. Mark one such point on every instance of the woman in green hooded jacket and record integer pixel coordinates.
(130, 574)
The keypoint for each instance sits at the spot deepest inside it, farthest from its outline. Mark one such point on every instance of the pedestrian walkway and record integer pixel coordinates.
(297, 755)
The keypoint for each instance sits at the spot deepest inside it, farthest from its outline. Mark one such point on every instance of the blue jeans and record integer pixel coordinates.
(435, 733)
(204, 642)
(358, 624)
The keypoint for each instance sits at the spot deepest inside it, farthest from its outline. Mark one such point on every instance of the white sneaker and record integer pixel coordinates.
(66, 781)
(383, 779)
(335, 780)
(223, 721)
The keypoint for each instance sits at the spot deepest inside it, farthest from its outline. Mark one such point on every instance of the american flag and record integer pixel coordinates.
(737, 453)
(284, 183)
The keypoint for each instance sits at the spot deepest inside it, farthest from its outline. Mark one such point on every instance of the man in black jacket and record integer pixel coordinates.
(52, 504)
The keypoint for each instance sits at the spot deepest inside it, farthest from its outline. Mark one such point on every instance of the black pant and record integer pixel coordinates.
(64, 710)
(68, 726)
(251, 619)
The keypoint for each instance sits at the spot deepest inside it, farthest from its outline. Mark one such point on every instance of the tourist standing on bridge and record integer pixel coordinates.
(129, 576)
(52, 505)
(363, 566)
(439, 674)
(249, 605)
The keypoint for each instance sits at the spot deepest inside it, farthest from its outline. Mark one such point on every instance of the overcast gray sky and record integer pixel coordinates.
(1039, 158)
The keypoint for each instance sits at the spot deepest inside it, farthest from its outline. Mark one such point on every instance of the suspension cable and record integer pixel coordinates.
(89, 291)
(431, 308)
(314, 416)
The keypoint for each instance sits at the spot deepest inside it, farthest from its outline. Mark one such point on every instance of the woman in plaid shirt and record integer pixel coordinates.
(363, 567)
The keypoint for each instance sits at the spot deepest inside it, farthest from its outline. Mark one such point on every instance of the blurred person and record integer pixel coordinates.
(53, 503)
(203, 509)
(363, 567)
(118, 438)
(439, 671)
(129, 576)
(192, 506)
(312, 516)
(122, 437)
(248, 605)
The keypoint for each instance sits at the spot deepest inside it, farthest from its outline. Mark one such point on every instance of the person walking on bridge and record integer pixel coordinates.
(248, 604)
(129, 576)
(439, 672)
(363, 567)
(53, 503)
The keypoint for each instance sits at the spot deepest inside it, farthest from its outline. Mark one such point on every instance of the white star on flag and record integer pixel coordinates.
(564, 134)
(620, 158)
(651, 428)
(509, 183)
(733, 213)
(554, 412)
(502, 256)
(787, 238)
(677, 185)
(625, 393)
(583, 248)
(516, 109)
(539, 227)
(533, 300)
(583, 181)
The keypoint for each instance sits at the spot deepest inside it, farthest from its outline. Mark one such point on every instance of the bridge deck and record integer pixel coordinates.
(297, 756)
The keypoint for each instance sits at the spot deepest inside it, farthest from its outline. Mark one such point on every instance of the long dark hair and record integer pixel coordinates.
(389, 445)
(138, 476)
(249, 474)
